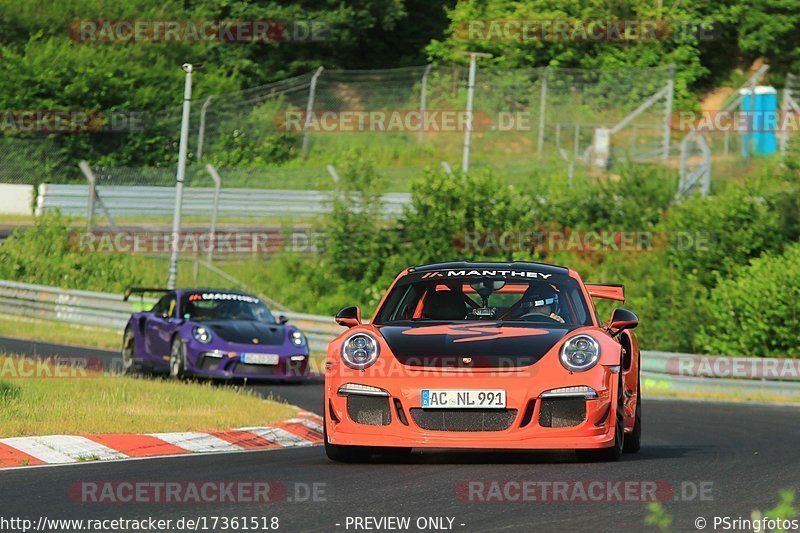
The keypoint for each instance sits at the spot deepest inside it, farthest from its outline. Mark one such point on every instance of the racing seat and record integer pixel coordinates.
(445, 305)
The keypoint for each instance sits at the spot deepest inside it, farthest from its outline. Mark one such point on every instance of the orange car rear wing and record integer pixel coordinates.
(606, 291)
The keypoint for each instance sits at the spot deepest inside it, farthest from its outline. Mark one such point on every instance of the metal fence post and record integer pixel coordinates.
(470, 95)
(214, 209)
(784, 108)
(312, 91)
(94, 197)
(725, 143)
(423, 102)
(87, 171)
(201, 132)
(542, 110)
(751, 123)
(668, 113)
(176, 219)
(334, 175)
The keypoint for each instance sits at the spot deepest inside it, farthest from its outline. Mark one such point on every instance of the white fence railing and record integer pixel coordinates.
(124, 201)
(661, 371)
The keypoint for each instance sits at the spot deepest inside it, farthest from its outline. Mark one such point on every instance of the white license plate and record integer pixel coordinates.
(260, 358)
(461, 398)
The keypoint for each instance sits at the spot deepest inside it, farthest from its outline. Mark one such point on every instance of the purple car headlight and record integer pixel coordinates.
(201, 334)
(297, 338)
(360, 351)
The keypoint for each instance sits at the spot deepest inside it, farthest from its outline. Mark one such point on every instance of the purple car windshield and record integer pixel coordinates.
(225, 306)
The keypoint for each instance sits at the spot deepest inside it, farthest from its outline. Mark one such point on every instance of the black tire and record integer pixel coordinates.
(128, 352)
(612, 453)
(344, 454)
(177, 360)
(633, 440)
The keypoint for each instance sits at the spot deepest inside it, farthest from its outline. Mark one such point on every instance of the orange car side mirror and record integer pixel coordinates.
(349, 317)
(623, 319)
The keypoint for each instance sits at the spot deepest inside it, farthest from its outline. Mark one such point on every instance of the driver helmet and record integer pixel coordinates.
(538, 295)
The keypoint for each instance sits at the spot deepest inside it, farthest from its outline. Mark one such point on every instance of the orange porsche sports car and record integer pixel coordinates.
(489, 356)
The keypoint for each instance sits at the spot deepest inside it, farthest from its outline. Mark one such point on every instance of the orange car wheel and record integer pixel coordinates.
(612, 453)
(633, 441)
(345, 454)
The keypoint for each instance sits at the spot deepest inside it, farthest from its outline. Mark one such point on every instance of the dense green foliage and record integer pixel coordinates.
(44, 68)
(757, 310)
(733, 227)
(704, 40)
(47, 253)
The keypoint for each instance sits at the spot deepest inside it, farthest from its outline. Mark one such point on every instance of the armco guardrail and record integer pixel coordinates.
(79, 307)
(148, 200)
(708, 374)
(661, 371)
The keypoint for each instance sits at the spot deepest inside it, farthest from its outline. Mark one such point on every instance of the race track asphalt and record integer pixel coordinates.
(738, 456)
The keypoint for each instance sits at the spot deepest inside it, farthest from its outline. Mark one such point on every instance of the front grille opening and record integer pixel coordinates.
(332, 413)
(463, 419)
(527, 416)
(562, 412)
(401, 415)
(208, 363)
(369, 410)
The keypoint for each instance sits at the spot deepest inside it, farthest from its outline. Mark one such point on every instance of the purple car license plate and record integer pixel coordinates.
(260, 358)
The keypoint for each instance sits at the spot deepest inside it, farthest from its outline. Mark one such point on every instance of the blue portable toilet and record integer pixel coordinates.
(761, 106)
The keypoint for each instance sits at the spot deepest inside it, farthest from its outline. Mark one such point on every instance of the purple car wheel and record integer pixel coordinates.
(177, 360)
(128, 351)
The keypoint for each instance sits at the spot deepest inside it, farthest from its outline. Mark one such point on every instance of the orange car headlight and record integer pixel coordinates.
(580, 353)
(360, 351)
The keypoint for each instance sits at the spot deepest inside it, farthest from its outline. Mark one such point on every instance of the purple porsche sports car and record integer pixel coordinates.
(216, 334)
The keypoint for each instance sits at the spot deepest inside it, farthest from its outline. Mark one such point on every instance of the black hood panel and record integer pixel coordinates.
(471, 345)
(245, 331)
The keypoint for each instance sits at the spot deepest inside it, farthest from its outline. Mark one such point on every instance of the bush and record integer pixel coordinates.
(46, 253)
(635, 200)
(733, 227)
(357, 242)
(444, 206)
(756, 311)
(670, 306)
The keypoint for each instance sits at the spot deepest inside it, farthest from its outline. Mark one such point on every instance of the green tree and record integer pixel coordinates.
(755, 311)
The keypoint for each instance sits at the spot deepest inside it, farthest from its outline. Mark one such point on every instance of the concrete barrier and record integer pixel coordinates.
(16, 199)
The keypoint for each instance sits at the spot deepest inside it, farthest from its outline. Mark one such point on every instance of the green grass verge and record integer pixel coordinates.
(59, 332)
(98, 403)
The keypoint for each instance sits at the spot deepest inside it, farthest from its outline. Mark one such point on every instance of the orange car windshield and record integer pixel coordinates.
(551, 301)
